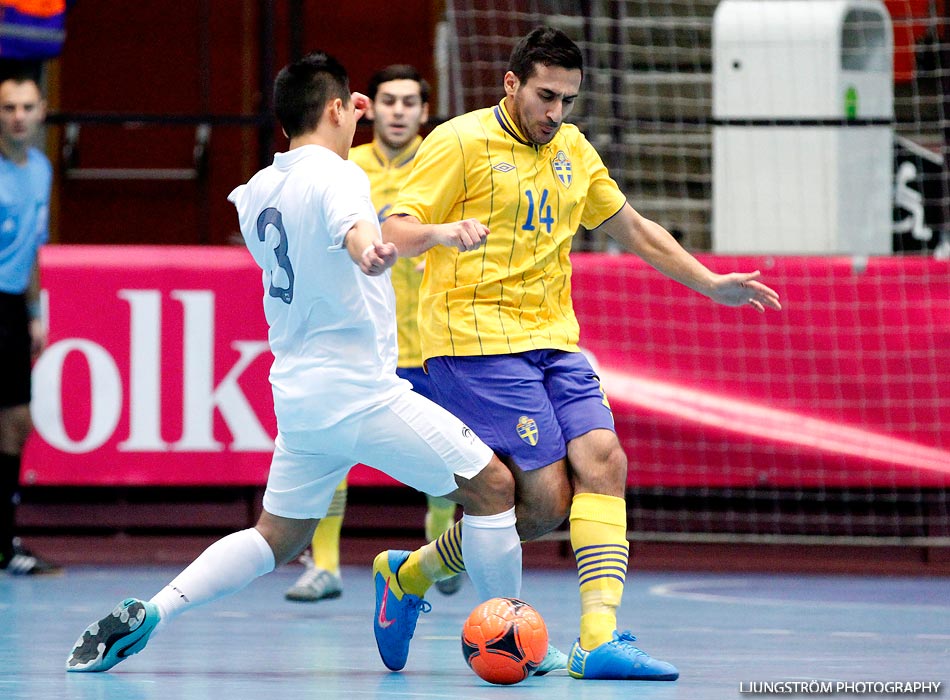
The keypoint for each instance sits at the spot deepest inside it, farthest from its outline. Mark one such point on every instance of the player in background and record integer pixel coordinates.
(310, 225)
(25, 180)
(399, 106)
(494, 200)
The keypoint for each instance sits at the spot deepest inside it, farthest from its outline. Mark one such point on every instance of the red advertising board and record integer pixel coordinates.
(156, 371)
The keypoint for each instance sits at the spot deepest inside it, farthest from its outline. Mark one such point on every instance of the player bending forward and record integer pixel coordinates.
(311, 227)
(494, 199)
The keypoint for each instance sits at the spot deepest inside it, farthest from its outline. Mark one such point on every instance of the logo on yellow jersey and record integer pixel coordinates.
(528, 430)
(504, 167)
(562, 168)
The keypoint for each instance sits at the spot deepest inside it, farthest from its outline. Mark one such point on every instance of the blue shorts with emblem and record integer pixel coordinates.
(526, 406)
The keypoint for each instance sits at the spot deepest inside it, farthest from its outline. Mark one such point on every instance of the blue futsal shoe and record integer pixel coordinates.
(554, 660)
(396, 611)
(114, 638)
(618, 660)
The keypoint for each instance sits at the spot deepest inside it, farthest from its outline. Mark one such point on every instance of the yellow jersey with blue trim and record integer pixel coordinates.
(386, 176)
(514, 293)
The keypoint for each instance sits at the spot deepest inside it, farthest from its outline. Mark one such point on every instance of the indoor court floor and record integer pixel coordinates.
(722, 631)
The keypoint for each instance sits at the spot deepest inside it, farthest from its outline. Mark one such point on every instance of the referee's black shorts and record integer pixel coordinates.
(15, 365)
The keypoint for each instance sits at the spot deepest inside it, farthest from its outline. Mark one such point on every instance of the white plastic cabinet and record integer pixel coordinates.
(803, 110)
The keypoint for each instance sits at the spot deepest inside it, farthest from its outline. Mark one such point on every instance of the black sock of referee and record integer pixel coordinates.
(9, 498)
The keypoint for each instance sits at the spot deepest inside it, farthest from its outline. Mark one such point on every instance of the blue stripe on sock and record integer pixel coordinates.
(585, 573)
(603, 545)
(602, 560)
(450, 550)
(622, 579)
(455, 540)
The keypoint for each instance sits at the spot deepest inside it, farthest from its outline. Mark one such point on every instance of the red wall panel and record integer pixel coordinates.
(194, 58)
(157, 372)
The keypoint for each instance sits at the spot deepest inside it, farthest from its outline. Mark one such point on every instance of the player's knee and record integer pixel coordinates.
(537, 518)
(491, 491)
(286, 537)
(604, 471)
(543, 499)
(616, 462)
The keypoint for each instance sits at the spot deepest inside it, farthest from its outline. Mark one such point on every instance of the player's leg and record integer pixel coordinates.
(224, 568)
(487, 542)
(503, 398)
(326, 538)
(440, 512)
(15, 558)
(454, 551)
(321, 577)
(440, 517)
(448, 459)
(448, 455)
(231, 563)
(444, 556)
(300, 487)
(15, 428)
(11, 419)
(598, 520)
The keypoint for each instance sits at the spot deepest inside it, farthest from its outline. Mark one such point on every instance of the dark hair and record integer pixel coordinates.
(20, 71)
(303, 88)
(547, 46)
(397, 71)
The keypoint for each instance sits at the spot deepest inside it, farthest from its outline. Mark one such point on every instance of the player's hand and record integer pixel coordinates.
(465, 235)
(741, 288)
(377, 258)
(360, 103)
(38, 337)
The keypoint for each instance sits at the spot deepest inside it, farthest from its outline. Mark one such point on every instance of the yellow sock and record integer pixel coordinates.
(599, 539)
(440, 516)
(326, 538)
(433, 562)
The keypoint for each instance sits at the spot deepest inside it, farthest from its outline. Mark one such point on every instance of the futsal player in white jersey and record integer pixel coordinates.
(309, 223)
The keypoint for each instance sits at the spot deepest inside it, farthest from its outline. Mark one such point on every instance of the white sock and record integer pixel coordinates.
(491, 549)
(224, 568)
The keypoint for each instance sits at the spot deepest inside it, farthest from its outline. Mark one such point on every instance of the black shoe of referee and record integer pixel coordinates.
(24, 563)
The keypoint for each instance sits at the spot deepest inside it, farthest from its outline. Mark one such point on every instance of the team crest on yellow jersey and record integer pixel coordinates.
(528, 430)
(562, 168)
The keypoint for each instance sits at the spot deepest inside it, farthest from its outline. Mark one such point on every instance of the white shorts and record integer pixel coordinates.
(410, 438)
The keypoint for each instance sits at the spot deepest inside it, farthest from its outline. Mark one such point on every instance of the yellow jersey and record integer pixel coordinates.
(514, 293)
(385, 178)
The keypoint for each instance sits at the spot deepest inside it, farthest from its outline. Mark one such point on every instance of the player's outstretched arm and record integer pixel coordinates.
(366, 250)
(657, 247)
(413, 238)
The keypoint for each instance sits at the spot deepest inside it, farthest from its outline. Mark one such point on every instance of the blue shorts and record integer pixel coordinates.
(419, 380)
(526, 406)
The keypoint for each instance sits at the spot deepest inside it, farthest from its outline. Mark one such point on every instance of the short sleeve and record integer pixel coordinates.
(604, 198)
(46, 185)
(437, 181)
(347, 201)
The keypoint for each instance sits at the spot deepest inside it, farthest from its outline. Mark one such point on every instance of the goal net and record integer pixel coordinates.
(855, 356)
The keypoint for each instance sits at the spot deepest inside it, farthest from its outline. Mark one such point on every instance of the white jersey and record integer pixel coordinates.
(332, 328)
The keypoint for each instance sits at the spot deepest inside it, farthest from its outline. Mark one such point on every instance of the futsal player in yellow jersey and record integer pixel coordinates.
(494, 200)
(399, 107)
